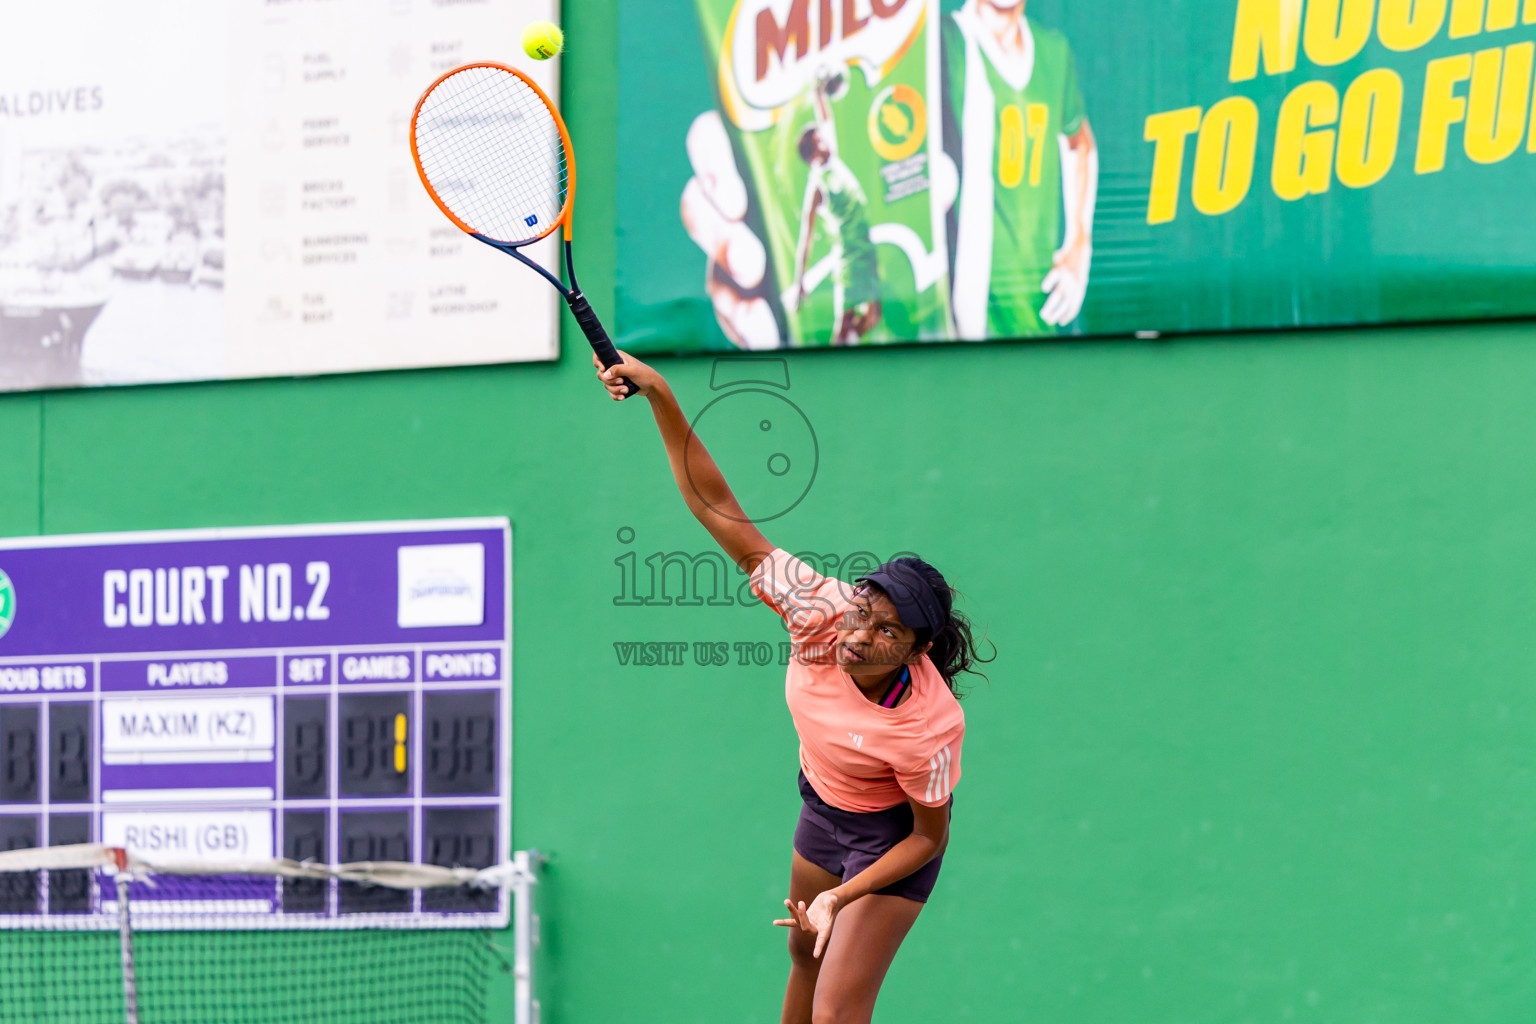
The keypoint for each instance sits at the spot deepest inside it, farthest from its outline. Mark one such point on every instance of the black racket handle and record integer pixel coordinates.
(592, 327)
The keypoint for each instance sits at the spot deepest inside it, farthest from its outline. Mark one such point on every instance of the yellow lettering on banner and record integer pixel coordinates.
(1167, 132)
(1442, 108)
(1408, 24)
(1224, 152)
(1269, 28)
(1466, 18)
(1036, 117)
(1010, 146)
(1368, 128)
(1497, 102)
(1337, 29)
(1303, 158)
(1502, 14)
(1530, 141)
(1530, 12)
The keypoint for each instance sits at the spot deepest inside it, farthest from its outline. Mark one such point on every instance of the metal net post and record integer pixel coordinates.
(125, 940)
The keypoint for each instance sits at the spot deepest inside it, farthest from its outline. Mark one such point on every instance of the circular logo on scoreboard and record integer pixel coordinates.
(7, 602)
(898, 122)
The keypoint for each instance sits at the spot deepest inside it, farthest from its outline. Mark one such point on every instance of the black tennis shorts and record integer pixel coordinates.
(845, 842)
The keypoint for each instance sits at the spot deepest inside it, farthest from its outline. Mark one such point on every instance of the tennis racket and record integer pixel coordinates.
(495, 157)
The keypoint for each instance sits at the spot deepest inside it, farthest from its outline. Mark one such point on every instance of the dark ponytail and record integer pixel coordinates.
(954, 649)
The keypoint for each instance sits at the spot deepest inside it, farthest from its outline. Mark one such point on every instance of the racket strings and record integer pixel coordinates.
(490, 149)
(498, 168)
(487, 142)
(521, 171)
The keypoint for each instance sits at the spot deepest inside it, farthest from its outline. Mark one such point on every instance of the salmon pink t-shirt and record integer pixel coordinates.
(857, 755)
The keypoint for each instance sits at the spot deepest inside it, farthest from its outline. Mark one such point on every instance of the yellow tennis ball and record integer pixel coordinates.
(542, 40)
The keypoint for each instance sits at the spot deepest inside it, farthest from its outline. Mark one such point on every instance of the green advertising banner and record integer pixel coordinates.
(836, 172)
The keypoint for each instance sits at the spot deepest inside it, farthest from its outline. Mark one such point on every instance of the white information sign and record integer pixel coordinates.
(199, 189)
(210, 835)
(187, 730)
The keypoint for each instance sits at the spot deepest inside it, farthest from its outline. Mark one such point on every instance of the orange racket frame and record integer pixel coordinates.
(581, 309)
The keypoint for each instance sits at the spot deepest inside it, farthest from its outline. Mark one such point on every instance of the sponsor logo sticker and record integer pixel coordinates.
(441, 585)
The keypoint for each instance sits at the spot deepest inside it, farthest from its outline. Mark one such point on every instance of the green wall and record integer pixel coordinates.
(1257, 744)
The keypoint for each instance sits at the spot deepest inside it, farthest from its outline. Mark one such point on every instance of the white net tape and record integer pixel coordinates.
(389, 874)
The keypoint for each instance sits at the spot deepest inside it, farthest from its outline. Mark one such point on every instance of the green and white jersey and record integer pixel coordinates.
(1007, 114)
(844, 210)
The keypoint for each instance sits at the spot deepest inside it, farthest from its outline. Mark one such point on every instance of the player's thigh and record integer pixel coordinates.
(865, 938)
(806, 882)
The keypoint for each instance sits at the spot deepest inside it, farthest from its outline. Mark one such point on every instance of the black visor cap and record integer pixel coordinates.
(914, 599)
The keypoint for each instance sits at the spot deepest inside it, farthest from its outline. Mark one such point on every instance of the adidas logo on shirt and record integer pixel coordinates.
(858, 741)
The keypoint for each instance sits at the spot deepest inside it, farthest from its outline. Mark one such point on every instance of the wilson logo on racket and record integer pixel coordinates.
(531, 220)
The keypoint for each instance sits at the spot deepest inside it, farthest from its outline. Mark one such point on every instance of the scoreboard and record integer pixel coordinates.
(334, 693)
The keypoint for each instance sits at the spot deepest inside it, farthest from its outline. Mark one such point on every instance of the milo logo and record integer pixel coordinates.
(7, 602)
(772, 50)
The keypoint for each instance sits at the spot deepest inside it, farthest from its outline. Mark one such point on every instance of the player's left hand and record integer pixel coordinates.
(1066, 283)
(817, 918)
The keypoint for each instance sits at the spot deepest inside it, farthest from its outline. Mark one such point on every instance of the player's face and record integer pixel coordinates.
(871, 640)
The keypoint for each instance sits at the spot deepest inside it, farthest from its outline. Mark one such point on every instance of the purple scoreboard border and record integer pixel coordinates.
(25, 561)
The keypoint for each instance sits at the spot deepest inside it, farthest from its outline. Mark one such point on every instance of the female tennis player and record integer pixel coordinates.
(870, 689)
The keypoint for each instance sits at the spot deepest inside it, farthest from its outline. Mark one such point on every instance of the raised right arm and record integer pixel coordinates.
(698, 478)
